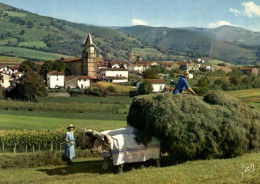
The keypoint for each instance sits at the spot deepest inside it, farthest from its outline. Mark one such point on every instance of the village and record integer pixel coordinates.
(129, 92)
(81, 72)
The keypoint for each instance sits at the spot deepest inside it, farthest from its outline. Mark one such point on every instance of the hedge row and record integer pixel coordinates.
(60, 107)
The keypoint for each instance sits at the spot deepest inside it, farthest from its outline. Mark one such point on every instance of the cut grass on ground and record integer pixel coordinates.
(89, 171)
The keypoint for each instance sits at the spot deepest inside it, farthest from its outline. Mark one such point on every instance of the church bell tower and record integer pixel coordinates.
(89, 58)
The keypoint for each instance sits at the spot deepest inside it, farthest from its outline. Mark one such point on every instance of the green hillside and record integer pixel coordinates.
(231, 33)
(30, 36)
(19, 28)
(193, 42)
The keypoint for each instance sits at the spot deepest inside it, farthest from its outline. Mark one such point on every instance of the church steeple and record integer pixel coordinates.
(89, 57)
(89, 40)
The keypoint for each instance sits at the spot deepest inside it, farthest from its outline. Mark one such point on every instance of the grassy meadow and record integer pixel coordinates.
(243, 169)
(29, 53)
(42, 118)
(250, 96)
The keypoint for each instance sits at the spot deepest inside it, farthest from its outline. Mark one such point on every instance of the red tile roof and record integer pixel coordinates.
(113, 77)
(86, 77)
(154, 81)
(116, 62)
(72, 60)
(170, 63)
(16, 67)
(68, 78)
(114, 69)
(55, 73)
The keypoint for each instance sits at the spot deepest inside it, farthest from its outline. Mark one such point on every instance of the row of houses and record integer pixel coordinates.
(196, 65)
(9, 75)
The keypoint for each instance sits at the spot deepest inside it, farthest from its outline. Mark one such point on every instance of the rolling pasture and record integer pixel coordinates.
(29, 53)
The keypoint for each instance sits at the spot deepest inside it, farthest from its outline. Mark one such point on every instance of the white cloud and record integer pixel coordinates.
(251, 9)
(138, 22)
(235, 11)
(219, 23)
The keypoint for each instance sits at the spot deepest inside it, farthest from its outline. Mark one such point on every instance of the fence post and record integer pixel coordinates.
(3, 147)
(33, 149)
(26, 148)
(14, 148)
(51, 147)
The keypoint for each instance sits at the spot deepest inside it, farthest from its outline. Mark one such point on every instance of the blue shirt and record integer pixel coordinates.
(181, 84)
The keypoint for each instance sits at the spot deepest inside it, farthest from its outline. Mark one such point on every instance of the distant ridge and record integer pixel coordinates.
(23, 33)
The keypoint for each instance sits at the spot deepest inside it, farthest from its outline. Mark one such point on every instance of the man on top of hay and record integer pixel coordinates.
(182, 83)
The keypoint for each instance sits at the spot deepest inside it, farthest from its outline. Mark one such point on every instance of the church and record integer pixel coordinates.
(87, 64)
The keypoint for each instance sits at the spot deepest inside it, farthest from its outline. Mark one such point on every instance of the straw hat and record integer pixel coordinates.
(70, 126)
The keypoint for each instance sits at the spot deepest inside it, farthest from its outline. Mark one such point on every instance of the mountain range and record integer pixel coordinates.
(30, 36)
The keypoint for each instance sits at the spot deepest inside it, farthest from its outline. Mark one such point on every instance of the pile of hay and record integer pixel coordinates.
(192, 127)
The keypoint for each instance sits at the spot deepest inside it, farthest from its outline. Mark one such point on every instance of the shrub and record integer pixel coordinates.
(133, 93)
(145, 88)
(111, 89)
(235, 80)
(60, 107)
(191, 128)
(93, 91)
(203, 82)
(201, 90)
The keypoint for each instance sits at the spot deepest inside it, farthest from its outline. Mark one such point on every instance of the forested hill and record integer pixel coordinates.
(19, 28)
(23, 33)
(193, 42)
(231, 33)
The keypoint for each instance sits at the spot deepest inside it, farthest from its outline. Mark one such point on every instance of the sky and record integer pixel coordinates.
(157, 13)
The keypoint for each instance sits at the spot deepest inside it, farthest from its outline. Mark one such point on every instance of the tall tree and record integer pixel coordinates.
(145, 88)
(28, 66)
(46, 67)
(59, 65)
(30, 86)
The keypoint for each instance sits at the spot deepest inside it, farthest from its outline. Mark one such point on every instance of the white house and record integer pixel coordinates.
(17, 75)
(118, 64)
(115, 75)
(4, 80)
(140, 66)
(157, 84)
(191, 76)
(55, 79)
(206, 68)
(82, 82)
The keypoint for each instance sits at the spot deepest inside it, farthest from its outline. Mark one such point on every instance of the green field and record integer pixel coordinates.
(89, 171)
(15, 14)
(37, 120)
(215, 62)
(52, 120)
(29, 53)
(250, 96)
(6, 60)
(37, 44)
